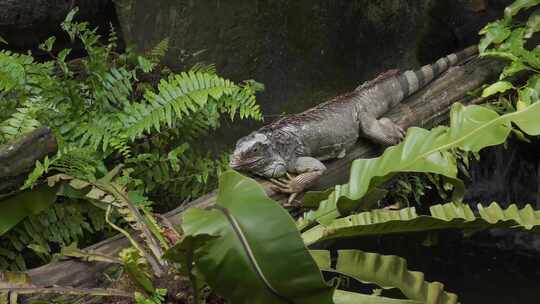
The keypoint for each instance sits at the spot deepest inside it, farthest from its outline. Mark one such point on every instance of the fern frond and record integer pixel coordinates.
(243, 101)
(145, 64)
(97, 134)
(177, 98)
(158, 52)
(22, 121)
(12, 69)
(63, 224)
(78, 162)
(201, 67)
(115, 87)
(112, 40)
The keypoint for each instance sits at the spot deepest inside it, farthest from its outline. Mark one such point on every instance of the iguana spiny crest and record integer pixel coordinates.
(298, 143)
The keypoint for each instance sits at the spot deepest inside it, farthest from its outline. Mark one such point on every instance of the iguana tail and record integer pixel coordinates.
(411, 81)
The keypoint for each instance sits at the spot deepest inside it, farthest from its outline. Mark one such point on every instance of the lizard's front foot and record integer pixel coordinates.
(393, 132)
(295, 184)
(290, 184)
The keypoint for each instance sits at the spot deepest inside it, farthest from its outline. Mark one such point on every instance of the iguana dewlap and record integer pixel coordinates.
(299, 143)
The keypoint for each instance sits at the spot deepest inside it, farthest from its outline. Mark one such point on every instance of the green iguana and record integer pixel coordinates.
(298, 143)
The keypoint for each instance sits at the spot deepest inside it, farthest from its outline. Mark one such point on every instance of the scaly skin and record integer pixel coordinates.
(299, 143)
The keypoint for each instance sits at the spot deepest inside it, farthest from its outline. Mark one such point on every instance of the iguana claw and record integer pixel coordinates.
(288, 185)
(295, 184)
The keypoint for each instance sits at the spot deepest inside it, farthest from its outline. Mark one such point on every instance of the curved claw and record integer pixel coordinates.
(402, 133)
(294, 185)
(292, 197)
(280, 184)
(287, 185)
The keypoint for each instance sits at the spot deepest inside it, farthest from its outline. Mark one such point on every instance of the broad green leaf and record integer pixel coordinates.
(347, 297)
(48, 44)
(501, 54)
(17, 207)
(530, 93)
(71, 14)
(495, 32)
(515, 42)
(497, 87)
(512, 10)
(447, 216)
(63, 54)
(512, 69)
(389, 271)
(252, 251)
(472, 128)
(2, 40)
(533, 24)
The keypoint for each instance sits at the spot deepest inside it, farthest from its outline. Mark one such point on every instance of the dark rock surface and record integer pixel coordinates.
(304, 51)
(26, 23)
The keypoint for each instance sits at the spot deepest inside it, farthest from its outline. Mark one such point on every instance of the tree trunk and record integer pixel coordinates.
(426, 108)
(18, 158)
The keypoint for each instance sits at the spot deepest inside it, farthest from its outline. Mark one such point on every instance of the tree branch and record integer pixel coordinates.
(427, 108)
(19, 157)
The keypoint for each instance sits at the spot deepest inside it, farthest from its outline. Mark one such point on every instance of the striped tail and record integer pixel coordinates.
(411, 81)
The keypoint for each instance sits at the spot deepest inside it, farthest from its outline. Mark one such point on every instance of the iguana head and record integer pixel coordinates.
(254, 153)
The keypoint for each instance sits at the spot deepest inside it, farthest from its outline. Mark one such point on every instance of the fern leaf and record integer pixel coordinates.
(115, 87)
(158, 52)
(145, 64)
(182, 94)
(12, 69)
(201, 67)
(22, 121)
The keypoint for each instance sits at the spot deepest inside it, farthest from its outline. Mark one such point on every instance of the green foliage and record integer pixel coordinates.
(20, 122)
(137, 269)
(347, 297)
(472, 128)
(157, 297)
(387, 272)
(94, 107)
(111, 193)
(447, 216)
(16, 207)
(227, 248)
(108, 109)
(507, 39)
(40, 234)
(235, 253)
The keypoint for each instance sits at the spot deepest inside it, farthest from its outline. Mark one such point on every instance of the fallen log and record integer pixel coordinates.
(428, 107)
(19, 157)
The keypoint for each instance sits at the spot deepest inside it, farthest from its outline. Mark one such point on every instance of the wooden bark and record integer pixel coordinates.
(19, 157)
(426, 108)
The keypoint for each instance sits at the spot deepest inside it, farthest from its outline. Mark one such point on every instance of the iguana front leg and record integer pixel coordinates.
(309, 170)
(383, 130)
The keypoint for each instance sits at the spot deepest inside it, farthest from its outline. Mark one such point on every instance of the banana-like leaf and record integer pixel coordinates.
(347, 297)
(387, 271)
(447, 216)
(17, 207)
(251, 251)
(472, 128)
